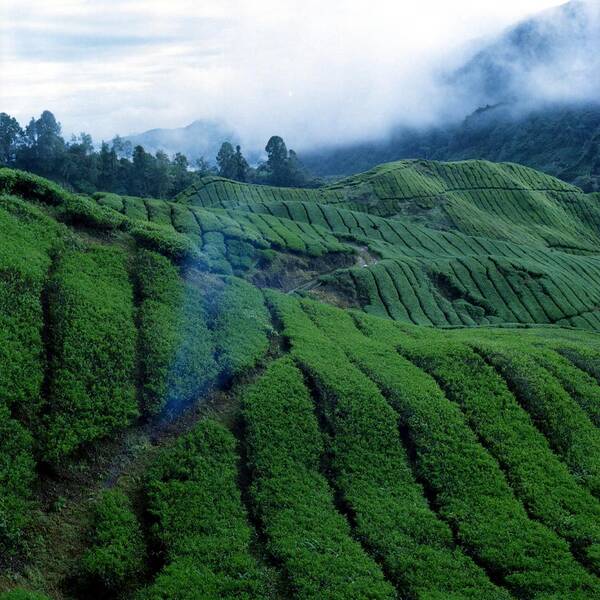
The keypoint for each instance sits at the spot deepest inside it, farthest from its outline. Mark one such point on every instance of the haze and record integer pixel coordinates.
(315, 72)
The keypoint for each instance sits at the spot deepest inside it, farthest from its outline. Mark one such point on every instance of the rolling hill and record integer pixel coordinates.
(561, 139)
(387, 387)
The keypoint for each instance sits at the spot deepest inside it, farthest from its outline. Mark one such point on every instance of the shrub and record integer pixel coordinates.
(176, 347)
(188, 579)
(80, 210)
(176, 246)
(371, 467)
(535, 473)
(467, 486)
(92, 349)
(293, 500)
(241, 325)
(200, 521)
(17, 475)
(115, 557)
(567, 428)
(20, 594)
(31, 187)
(28, 239)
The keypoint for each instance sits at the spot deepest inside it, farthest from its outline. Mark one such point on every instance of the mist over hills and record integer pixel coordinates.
(552, 56)
(533, 93)
(202, 138)
(527, 96)
(561, 139)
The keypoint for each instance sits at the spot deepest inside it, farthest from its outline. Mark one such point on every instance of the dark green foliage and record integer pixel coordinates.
(116, 556)
(582, 387)
(470, 243)
(568, 429)
(19, 594)
(561, 140)
(361, 470)
(31, 186)
(226, 161)
(176, 347)
(240, 324)
(294, 501)
(10, 136)
(92, 350)
(199, 520)
(539, 479)
(176, 246)
(116, 167)
(80, 210)
(470, 490)
(28, 237)
(371, 468)
(17, 475)
(122, 168)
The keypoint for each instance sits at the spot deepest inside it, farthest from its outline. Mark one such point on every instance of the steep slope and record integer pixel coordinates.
(171, 428)
(445, 244)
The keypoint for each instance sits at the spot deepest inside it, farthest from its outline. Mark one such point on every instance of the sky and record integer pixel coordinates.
(314, 71)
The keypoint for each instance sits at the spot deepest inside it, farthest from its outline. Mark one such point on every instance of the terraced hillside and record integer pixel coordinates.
(444, 244)
(180, 419)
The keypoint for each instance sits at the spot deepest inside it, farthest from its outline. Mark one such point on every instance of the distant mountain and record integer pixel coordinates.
(534, 84)
(201, 138)
(562, 140)
(554, 55)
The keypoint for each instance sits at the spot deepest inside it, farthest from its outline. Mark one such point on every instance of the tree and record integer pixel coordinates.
(181, 175)
(49, 144)
(161, 175)
(115, 167)
(202, 167)
(80, 164)
(226, 161)
(122, 147)
(108, 167)
(140, 171)
(11, 136)
(43, 147)
(277, 161)
(296, 172)
(241, 165)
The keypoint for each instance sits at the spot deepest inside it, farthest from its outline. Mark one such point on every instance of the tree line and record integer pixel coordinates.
(118, 166)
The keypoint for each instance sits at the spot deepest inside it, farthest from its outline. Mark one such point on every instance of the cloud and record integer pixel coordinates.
(312, 71)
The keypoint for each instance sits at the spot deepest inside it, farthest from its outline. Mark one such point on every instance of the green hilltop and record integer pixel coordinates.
(388, 387)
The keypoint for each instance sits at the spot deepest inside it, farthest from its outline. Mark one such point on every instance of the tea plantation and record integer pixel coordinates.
(386, 388)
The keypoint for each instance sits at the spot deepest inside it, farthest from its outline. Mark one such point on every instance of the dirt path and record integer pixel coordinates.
(364, 258)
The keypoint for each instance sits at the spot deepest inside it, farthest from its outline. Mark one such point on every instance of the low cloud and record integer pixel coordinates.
(315, 72)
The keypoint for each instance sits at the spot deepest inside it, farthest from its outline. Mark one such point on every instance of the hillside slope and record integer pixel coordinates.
(179, 422)
(423, 242)
(560, 139)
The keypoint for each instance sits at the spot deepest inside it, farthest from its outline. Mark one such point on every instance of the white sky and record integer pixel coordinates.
(311, 70)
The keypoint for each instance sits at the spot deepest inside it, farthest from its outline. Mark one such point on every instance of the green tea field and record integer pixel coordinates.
(385, 388)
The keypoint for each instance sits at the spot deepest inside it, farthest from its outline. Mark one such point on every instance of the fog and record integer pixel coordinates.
(314, 72)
